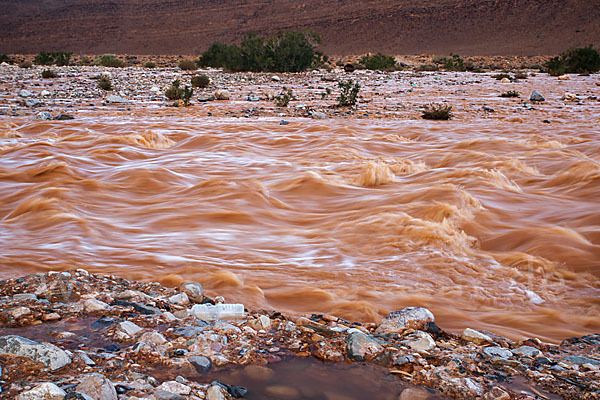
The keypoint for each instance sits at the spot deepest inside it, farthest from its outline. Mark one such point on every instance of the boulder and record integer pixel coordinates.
(407, 318)
(46, 353)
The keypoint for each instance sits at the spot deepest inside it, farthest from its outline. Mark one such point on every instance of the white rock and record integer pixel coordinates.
(91, 305)
(407, 318)
(193, 290)
(153, 338)
(471, 335)
(46, 353)
(318, 115)
(180, 298)
(564, 78)
(113, 98)
(45, 93)
(25, 93)
(420, 341)
(175, 387)
(43, 391)
(275, 78)
(129, 328)
(262, 322)
(222, 95)
(216, 392)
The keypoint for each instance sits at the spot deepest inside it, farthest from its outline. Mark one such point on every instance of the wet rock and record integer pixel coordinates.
(114, 99)
(129, 328)
(43, 116)
(44, 391)
(420, 341)
(175, 387)
(494, 351)
(48, 354)
(222, 95)
(471, 335)
(581, 360)
(360, 347)
(97, 387)
(193, 290)
(180, 298)
(92, 305)
(201, 363)
(283, 392)
(496, 394)
(536, 96)
(217, 392)
(318, 115)
(526, 351)
(25, 93)
(407, 318)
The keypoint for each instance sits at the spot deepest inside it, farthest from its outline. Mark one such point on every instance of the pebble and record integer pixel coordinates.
(471, 335)
(222, 95)
(153, 337)
(262, 322)
(496, 394)
(25, 93)
(32, 102)
(43, 391)
(276, 78)
(318, 115)
(48, 354)
(564, 77)
(114, 99)
(407, 318)
(216, 392)
(180, 298)
(45, 93)
(19, 312)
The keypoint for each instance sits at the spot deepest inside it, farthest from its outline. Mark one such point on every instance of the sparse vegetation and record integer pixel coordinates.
(188, 65)
(283, 98)
(439, 112)
(453, 63)
(285, 52)
(109, 60)
(521, 75)
(26, 64)
(326, 93)
(510, 93)
(348, 93)
(6, 59)
(427, 67)
(104, 83)
(188, 92)
(379, 61)
(59, 58)
(200, 81)
(48, 74)
(150, 64)
(501, 76)
(584, 60)
(174, 92)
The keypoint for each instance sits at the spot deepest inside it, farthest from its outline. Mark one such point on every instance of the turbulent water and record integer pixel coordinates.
(491, 225)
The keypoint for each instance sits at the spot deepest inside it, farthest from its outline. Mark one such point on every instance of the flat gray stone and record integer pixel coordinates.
(581, 360)
(527, 351)
(495, 351)
(113, 99)
(46, 353)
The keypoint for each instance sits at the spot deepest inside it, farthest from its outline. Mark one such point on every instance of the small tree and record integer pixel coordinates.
(348, 93)
(584, 60)
(292, 51)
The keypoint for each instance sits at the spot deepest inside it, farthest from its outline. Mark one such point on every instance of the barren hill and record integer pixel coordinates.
(469, 27)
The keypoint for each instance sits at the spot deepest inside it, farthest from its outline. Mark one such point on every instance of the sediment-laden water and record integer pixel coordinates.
(490, 223)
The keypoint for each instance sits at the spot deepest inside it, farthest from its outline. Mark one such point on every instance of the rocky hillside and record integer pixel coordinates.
(474, 27)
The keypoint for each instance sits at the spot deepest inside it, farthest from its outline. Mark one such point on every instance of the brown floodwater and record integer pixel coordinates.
(491, 221)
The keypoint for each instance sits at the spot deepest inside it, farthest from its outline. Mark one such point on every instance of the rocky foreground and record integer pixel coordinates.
(158, 343)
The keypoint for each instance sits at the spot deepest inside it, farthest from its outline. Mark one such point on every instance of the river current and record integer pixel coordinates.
(491, 224)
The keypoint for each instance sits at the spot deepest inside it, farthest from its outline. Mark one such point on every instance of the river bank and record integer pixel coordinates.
(108, 338)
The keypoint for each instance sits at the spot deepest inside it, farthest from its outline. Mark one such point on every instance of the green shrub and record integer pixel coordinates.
(348, 93)
(48, 74)
(85, 60)
(379, 61)
(285, 52)
(453, 63)
(174, 92)
(584, 60)
(200, 81)
(283, 98)
(437, 112)
(326, 93)
(187, 94)
(188, 65)
(59, 58)
(150, 64)
(26, 64)
(104, 83)
(510, 93)
(5, 58)
(320, 60)
(109, 60)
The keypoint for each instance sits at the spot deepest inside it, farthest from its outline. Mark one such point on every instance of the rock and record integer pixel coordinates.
(51, 317)
(217, 392)
(252, 97)
(318, 115)
(155, 89)
(43, 116)
(467, 387)
(471, 335)
(569, 96)
(48, 354)
(420, 341)
(163, 395)
(259, 372)
(349, 67)
(505, 80)
(414, 394)
(361, 347)
(263, 322)
(283, 392)
(153, 338)
(496, 394)
(536, 96)
(222, 95)
(32, 102)
(19, 312)
(43, 391)
(25, 93)
(564, 77)
(97, 387)
(193, 290)
(407, 318)
(64, 117)
(201, 363)
(45, 93)
(187, 331)
(582, 360)
(114, 99)
(175, 387)
(92, 305)
(495, 351)
(204, 99)
(180, 298)
(129, 328)
(24, 296)
(527, 351)
(276, 78)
